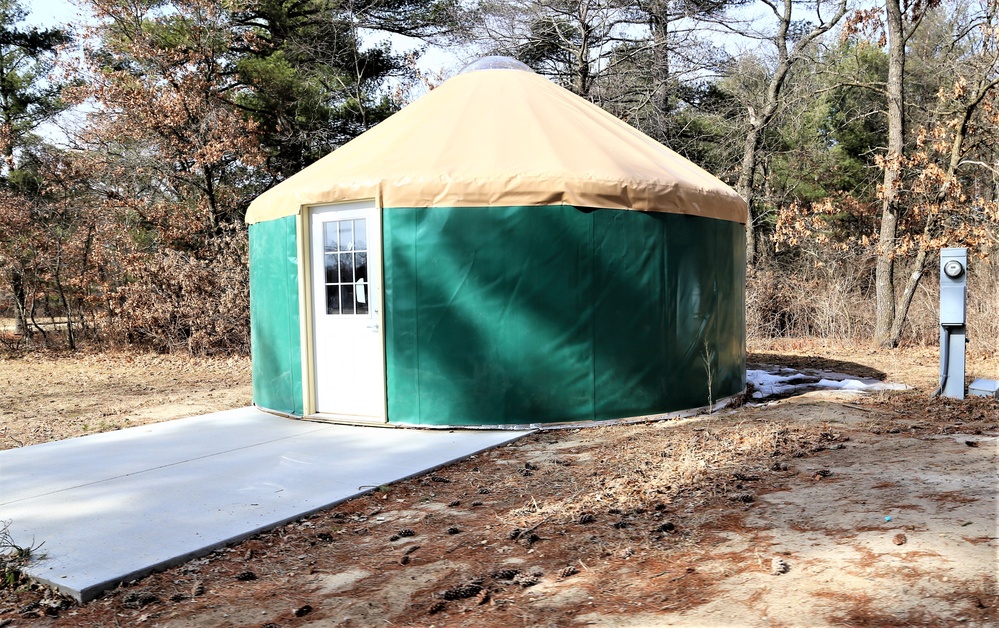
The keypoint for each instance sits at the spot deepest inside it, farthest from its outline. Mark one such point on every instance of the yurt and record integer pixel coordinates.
(498, 253)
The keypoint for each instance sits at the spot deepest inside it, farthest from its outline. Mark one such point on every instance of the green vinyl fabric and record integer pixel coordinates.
(275, 326)
(516, 315)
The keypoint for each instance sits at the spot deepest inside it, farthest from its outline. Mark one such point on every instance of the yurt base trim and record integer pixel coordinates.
(326, 418)
(720, 404)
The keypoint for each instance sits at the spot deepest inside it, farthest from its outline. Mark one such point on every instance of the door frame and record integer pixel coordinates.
(303, 223)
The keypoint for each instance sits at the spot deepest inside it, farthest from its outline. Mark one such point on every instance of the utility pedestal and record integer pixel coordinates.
(953, 333)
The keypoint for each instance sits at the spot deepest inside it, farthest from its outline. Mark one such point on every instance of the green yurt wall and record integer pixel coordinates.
(520, 315)
(275, 324)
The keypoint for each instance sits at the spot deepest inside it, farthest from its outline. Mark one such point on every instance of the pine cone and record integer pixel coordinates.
(568, 571)
(138, 599)
(505, 574)
(778, 566)
(462, 591)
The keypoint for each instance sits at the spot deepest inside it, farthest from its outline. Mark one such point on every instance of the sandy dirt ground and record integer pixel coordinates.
(821, 509)
(49, 396)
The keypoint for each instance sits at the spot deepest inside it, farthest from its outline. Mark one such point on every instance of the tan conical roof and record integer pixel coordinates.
(504, 137)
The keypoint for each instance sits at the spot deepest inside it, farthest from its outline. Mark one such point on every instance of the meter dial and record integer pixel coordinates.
(953, 269)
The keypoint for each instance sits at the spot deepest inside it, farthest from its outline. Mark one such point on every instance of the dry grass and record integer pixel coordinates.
(649, 467)
(983, 308)
(821, 296)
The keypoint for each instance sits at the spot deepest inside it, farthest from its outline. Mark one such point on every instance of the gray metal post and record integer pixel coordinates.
(954, 386)
(953, 333)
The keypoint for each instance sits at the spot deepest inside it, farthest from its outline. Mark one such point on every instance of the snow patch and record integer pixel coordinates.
(774, 381)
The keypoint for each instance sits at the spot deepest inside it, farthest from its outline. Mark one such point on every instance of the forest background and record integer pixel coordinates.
(864, 138)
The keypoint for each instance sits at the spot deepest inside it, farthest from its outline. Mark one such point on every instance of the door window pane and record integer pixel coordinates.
(332, 275)
(361, 269)
(329, 237)
(361, 296)
(332, 300)
(346, 235)
(360, 239)
(347, 298)
(346, 267)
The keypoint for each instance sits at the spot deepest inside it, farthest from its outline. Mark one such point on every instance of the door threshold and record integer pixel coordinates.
(346, 419)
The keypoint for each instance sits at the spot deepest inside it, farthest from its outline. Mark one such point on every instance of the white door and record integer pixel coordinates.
(346, 297)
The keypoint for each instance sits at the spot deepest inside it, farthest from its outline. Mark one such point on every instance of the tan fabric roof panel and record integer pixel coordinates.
(504, 138)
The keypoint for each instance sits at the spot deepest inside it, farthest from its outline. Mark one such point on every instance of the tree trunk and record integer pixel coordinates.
(20, 302)
(890, 207)
(70, 336)
(884, 278)
(744, 186)
(582, 79)
(659, 27)
(905, 300)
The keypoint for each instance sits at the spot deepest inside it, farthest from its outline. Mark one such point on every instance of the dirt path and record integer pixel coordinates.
(673, 523)
(902, 531)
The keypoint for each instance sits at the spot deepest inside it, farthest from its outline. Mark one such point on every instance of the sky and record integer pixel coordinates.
(48, 13)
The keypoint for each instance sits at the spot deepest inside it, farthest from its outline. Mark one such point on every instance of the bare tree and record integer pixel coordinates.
(678, 50)
(789, 38)
(575, 42)
(899, 33)
(975, 78)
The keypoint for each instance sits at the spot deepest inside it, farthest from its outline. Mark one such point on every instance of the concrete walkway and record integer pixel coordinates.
(116, 506)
